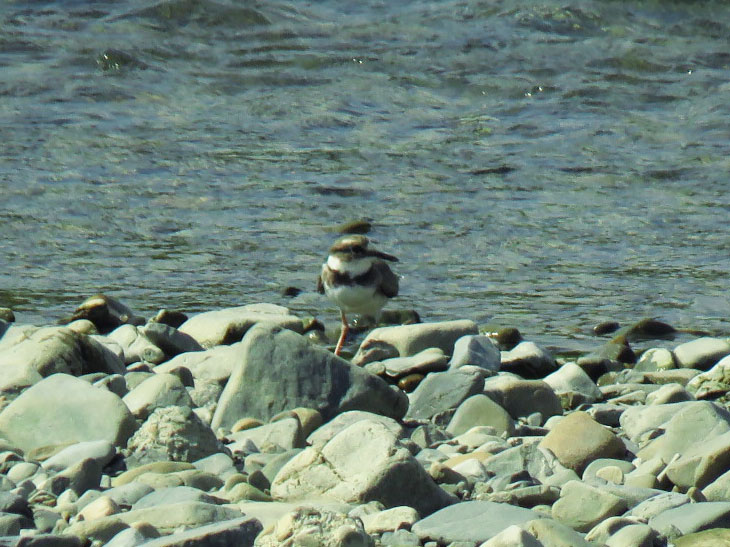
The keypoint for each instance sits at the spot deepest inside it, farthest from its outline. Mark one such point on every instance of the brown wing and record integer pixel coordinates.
(320, 285)
(388, 280)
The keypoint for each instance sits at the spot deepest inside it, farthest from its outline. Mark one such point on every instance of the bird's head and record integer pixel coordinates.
(357, 247)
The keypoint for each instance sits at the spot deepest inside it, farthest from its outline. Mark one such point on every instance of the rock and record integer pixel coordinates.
(165, 518)
(528, 360)
(712, 384)
(684, 425)
(215, 364)
(594, 469)
(658, 504)
(715, 537)
(175, 494)
(471, 521)
(170, 340)
(582, 506)
(477, 350)
(136, 346)
(523, 397)
(389, 520)
(577, 439)
(691, 517)
(700, 464)
(16, 377)
(70, 411)
(552, 533)
(439, 394)
(14, 503)
(570, 378)
(308, 526)
(655, 359)
(512, 536)
(315, 378)
(335, 471)
(341, 422)
(131, 537)
(229, 325)
(102, 506)
(52, 350)
(241, 532)
(411, 339)
(399, 538)
(157, 391)
(667, 394)
(279, 436)
(423, 362)
(622, 531)
(480, 410)
(106, 313)
(172, 433)
(701, 353)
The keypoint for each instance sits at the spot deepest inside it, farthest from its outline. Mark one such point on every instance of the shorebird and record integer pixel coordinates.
(356, 278)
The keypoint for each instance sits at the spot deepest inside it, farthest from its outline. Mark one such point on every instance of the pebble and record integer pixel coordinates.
(232, 428)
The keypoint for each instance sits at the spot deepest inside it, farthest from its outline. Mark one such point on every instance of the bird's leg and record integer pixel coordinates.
(343, 334)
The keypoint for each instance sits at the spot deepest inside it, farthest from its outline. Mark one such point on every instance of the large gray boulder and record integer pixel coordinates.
(279, 370)
(229, 325)
(337, 471)
(51, 350)
(62, 410)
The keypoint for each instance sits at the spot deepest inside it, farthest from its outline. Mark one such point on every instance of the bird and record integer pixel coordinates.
(357, 279)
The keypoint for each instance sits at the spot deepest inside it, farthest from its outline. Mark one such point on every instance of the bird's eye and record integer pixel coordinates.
(358, 250)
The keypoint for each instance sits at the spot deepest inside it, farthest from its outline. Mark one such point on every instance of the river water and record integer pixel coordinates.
(536, 164)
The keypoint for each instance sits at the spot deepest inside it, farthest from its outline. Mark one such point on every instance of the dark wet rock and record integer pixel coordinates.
(649, 329)
(172, 433)
(171, 318)
(7, 316)
(439, 394)
(335, 471)
(616, 351)
(106, 313)
(70, 410)
(358, 226)
(507, 338)
(315, 378)
(399, 317)
(116, 59)
(229, 325)
(606, 327)
(169, 339)
(410, 383)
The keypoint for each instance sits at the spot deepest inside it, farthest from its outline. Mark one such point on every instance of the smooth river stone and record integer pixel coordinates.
(62, 410)
(701, 353)
(477, 350)
(229, 325)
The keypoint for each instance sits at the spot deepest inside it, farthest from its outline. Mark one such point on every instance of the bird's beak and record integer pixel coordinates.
(380, 254)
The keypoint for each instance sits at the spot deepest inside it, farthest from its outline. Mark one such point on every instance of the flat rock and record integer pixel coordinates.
(280, 370)
(715, 537)
(62, 410)
(582, 506)
(173, 433)
(389, 520)
(701, 463)
(175, 494)
(411, 339)
(423, 362)
(439, 394)
(335, 470)
(229, 325)
(52, 350)
(471, 521)
(577, 440)
(477, 350)
(240, 532)
(280, 435)
(692, 517)
(102, 451)
(701, 353)
(170, 340)
(480, 410)
(214, 364)
(136, 346)
(325, 433)
(523, 397)
(157, 391)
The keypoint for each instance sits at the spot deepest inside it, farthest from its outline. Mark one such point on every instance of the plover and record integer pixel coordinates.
(356, 278)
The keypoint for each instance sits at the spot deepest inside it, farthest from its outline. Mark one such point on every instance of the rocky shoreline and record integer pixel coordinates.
(237, 427)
